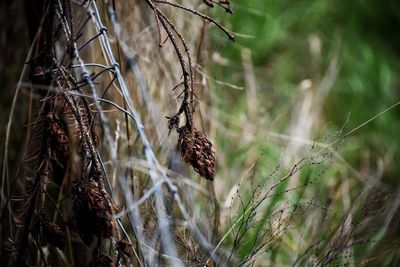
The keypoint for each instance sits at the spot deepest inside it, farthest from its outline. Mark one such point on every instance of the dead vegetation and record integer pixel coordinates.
(71, 194)
(103, 180)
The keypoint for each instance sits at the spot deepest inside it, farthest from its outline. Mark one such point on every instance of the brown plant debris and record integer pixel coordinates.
(124, 247)
(197, 151)
(59, 145)
(93, 211)
(194, 146)
(53, 234)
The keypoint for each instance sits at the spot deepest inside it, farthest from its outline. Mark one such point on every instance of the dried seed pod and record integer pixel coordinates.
(103, 261)
(58, 131)
(124, 247)
(59, 144)
(197, 151)
(53, 234)
(93, 211)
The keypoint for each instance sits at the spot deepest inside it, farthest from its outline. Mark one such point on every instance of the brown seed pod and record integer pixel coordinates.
(93, 211)
(59, 145)
(124, 247)
(58, 132)
(197, 151)
(53, 234)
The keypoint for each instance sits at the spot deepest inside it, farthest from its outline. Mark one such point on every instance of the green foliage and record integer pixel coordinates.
(358, 32)
(294, 41)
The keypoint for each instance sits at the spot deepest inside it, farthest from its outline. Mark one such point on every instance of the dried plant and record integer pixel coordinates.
(53, 234)
(93, 211)
(104, 182)
(202, 155)
(197, 151)
(66, 176)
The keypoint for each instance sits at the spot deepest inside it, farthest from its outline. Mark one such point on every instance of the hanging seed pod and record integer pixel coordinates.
(53, 234)
(93, 211)
(197, 151)
(124, 247)
(59, 145)
(58, 132)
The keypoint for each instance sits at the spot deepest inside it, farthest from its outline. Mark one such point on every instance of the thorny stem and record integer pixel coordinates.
(187, 50)
(208, 18)
(188, 77)
(185, 103)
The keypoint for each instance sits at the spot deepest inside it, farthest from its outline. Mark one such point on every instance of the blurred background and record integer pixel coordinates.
(301, 67)
(305, 71)
(300, 76)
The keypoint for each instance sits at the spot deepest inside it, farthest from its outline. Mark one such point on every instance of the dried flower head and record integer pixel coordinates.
(93, 211)
(58, 131)
(53, 234)
(197, 151)
(124, 247)
(59, 144)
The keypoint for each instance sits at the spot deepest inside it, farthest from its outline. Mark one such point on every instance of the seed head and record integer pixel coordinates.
(124, 247)
(197, 151)
(53, 234)
(93, 211)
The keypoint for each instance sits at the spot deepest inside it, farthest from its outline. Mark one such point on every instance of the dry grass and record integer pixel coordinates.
(99, 140)
(115, 99)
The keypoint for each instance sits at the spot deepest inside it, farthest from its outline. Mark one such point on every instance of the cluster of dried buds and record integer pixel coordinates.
(124, 247)
(53, 234)
(197, 151)
(195, 148)
(58, 144)
(93, 210)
